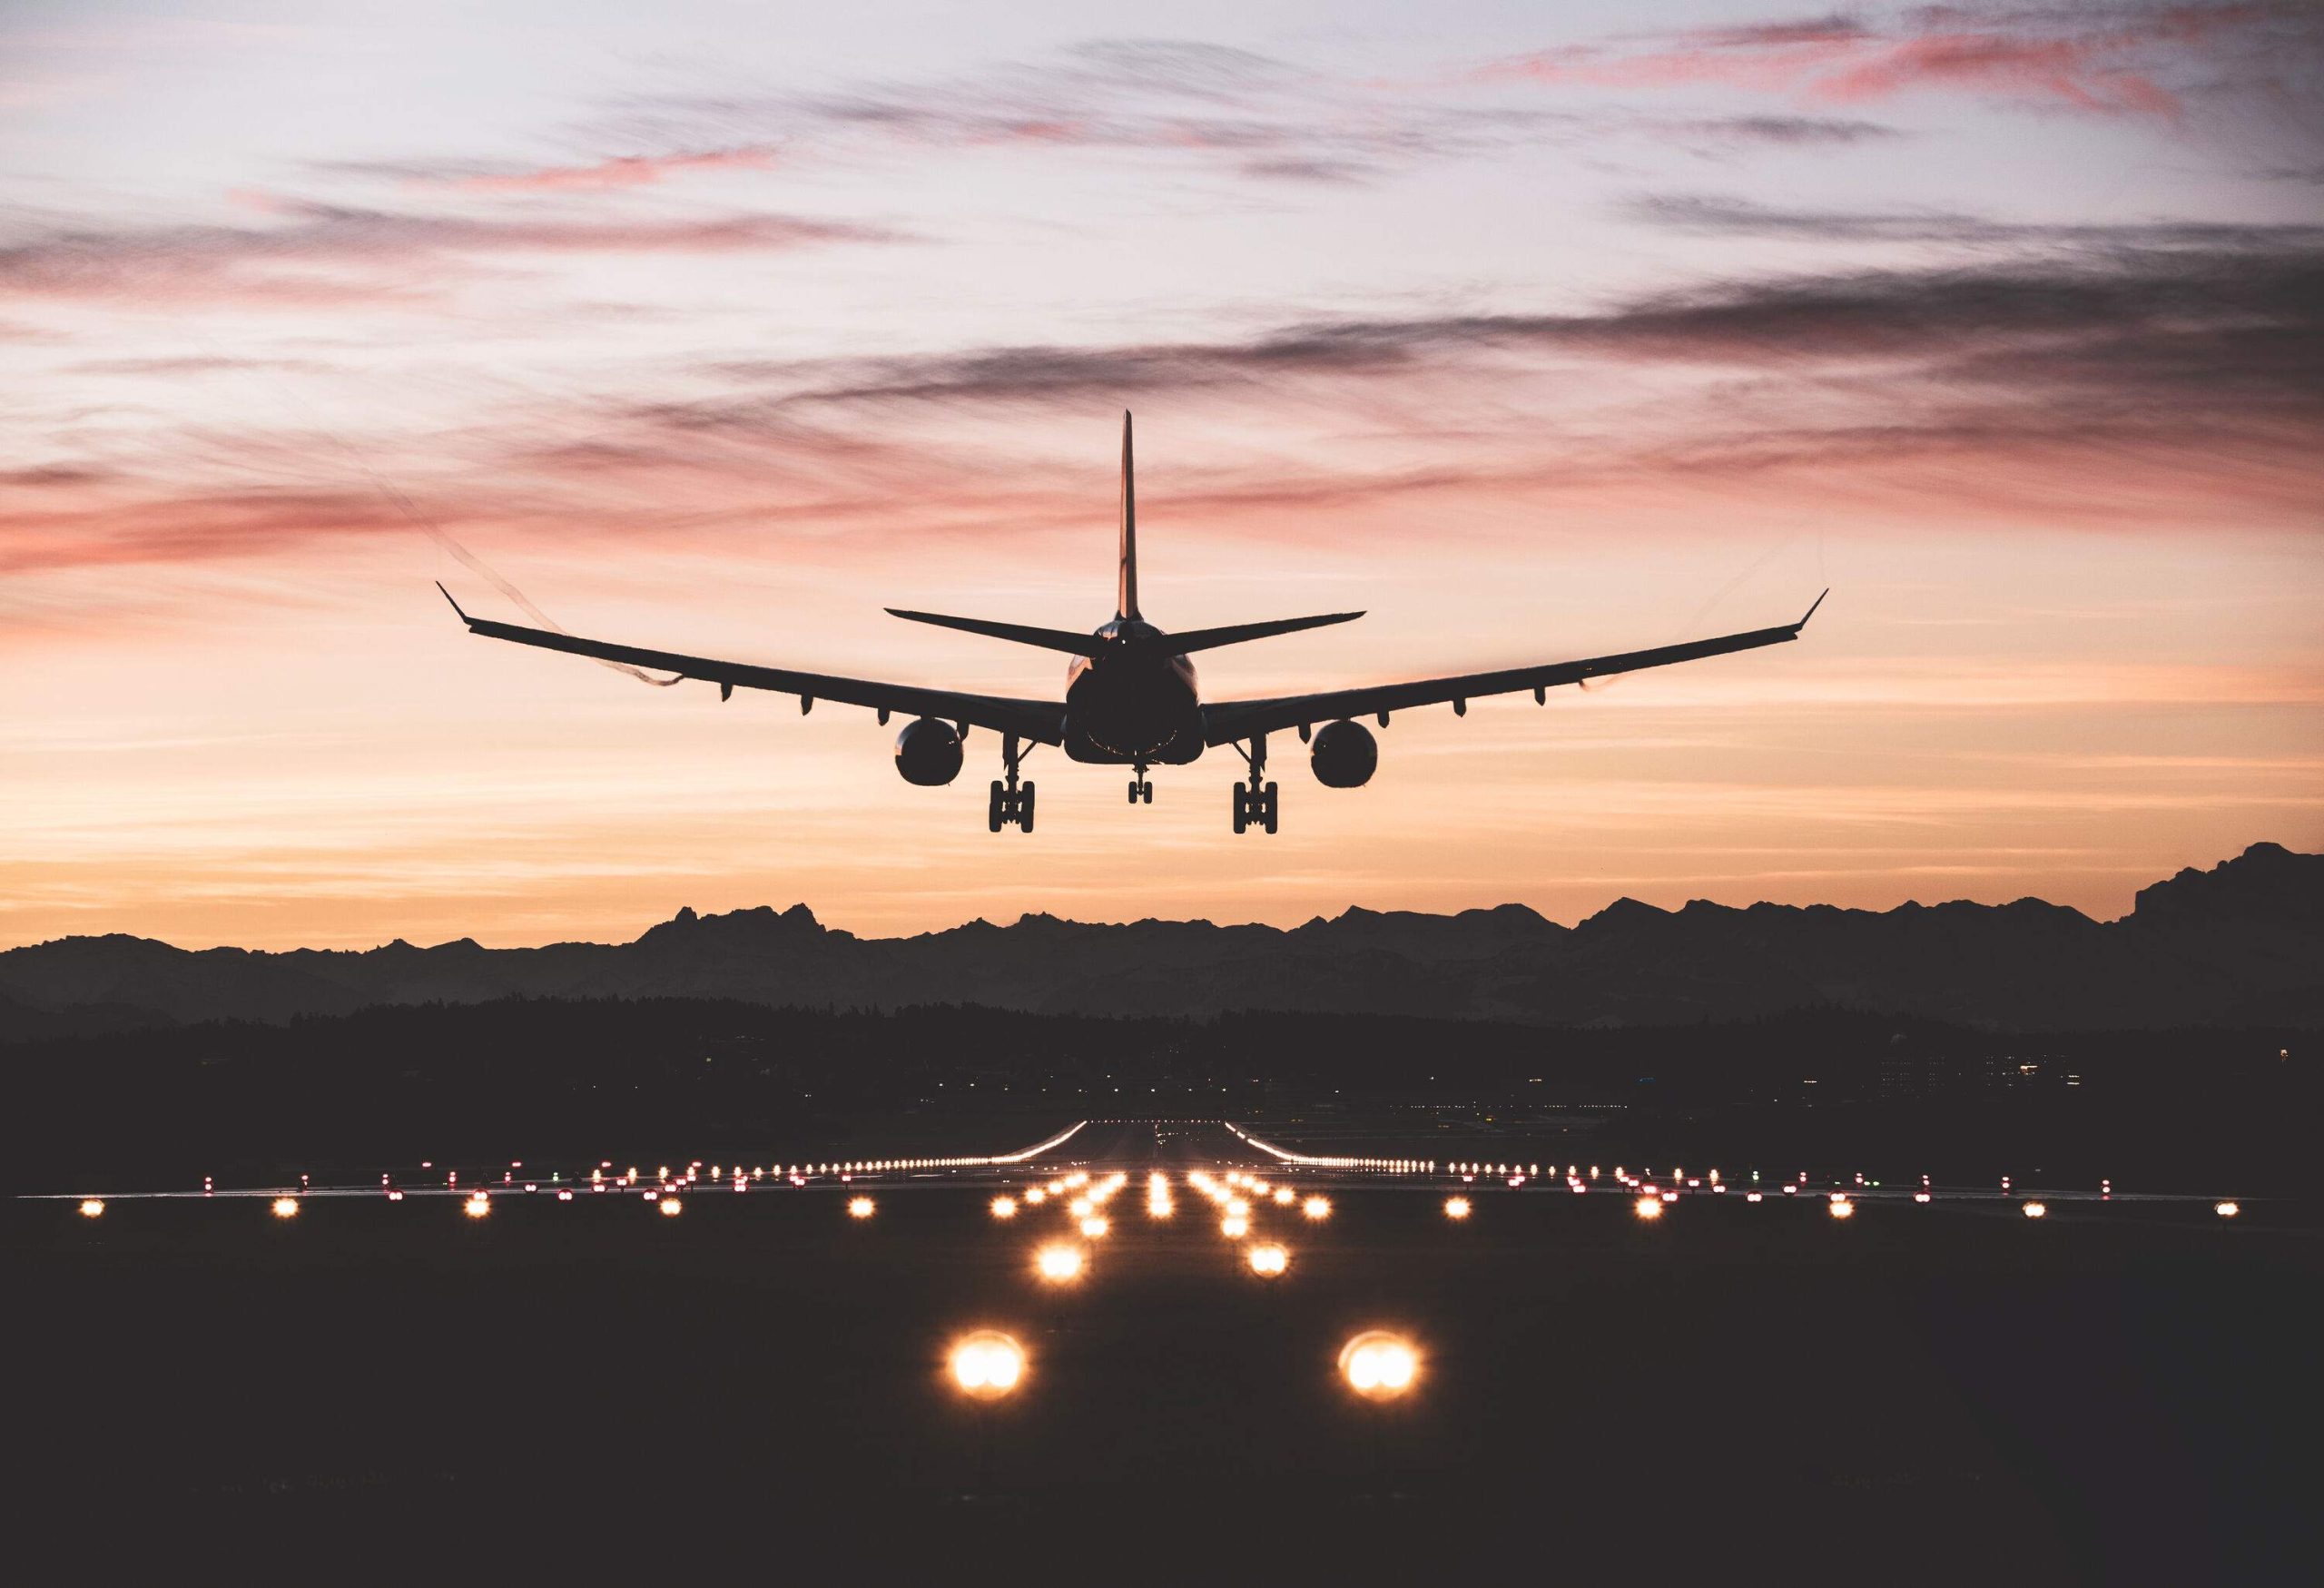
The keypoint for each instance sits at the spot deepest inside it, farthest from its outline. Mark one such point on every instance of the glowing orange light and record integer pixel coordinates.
(1004, 1206)
(1456, 1207)
(286, 1207)
(1648, 1208)
(2227, 1210)
(1035, 1197)
(1316, 1206)
(672, 1207)
(1234, 1227)
(1095, 1227)
(1378, 1366)
(988, 1365)
(1267, 1261)
(1841, 1207)
(1284, 1196)
(859, 1207)
(478, 1206)
(90, 1208)
(1058, 1264)
(2037, 1210)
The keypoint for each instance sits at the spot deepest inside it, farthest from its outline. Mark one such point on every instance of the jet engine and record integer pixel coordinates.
(1345, 754)
(928, 752)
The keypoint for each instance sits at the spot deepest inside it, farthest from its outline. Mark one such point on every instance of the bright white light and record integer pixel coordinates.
(1234, 1227)
(1058, 1264)
(286, 1207)
(1841, 1207)
(479, 1206)
(1378, 1366)
(2037, 1210)
(1284, 1196)
(1095, 1227)
(1316, 1207)
(90, 1208)
(1268, 1260)
(2227, 1210)
(859, 1207)
(1456, 1207)
(672, 1207)
(1035, 1196)
(1649, 1209)
(1004, 1206)
(988, 1365)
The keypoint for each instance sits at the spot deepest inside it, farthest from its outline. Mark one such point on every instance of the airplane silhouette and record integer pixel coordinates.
(1131, 698)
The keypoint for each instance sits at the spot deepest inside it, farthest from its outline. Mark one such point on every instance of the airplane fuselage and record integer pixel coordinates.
(1135, 703)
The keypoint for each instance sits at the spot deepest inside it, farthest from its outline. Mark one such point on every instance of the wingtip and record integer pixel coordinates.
(1811, 610)
(447, 596)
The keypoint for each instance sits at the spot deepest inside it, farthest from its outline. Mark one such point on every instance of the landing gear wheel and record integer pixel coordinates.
(1025, 809)
(994, 815)
(1145, 791)
(1242, 807)
(1267, 808)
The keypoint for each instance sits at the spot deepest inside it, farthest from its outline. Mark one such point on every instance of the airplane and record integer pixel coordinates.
(1131, 698)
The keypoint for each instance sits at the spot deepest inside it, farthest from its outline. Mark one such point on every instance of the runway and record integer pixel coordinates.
(766, 1363)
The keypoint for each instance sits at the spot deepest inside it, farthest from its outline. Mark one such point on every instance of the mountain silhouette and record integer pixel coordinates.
(2240, 945)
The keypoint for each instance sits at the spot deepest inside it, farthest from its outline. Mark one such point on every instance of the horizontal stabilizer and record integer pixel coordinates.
(1052, 639)
(1235, 634)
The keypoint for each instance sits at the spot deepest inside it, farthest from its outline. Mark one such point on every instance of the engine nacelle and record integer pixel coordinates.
(1345, 754)
(928, 752)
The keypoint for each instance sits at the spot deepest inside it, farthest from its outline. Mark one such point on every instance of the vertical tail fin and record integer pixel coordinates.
(1126, 600)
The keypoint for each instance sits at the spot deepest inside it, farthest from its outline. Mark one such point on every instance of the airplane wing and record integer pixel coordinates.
(1230, 721)
(1039, 720)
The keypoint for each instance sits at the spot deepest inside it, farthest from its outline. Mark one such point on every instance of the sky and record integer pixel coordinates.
(1534, 332)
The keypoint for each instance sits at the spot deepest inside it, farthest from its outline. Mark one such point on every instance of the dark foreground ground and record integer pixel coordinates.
(1943, 1394)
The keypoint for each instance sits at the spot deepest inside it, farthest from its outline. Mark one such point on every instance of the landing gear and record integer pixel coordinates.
(1254, 801)
(1141, 787)
(1012, 802)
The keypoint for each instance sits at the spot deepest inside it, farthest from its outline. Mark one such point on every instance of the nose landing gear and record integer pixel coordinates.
(1254, 801)
(1012, 802)
(1141, 787)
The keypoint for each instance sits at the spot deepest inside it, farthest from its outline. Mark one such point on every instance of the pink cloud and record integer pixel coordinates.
(621, 171)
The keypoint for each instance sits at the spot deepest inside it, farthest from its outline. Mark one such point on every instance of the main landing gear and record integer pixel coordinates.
(1255, 801)
(1012, 804)
(1141, 787)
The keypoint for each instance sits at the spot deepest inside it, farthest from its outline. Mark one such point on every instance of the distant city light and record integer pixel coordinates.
(1378, 1366)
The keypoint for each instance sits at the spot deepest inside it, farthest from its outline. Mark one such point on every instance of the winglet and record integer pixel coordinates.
(1811, 611)
(455, 606)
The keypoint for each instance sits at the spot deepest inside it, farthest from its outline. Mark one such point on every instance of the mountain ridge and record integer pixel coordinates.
(2241, 942)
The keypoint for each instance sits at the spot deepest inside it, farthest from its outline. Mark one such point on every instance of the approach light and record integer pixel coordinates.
(91, 1207)
(2227, 1210)
(987, 1365)
(1058, 1264)
(672, 1207)
(1648, 1208)
(1095, 1227)
(1284, 1196)
(286, 1207)
(1004, 1206)
(1841, 1207)
(859, 1207)
(1378, 1366)
(479, 1206)
(1234, 1226)
(2036, 1210)
(1317, 1208)
(1267, 1261)
(1035, 1197)
(1456, 1207)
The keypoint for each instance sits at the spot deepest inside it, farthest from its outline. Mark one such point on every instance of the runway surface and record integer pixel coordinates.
(2118, 1389)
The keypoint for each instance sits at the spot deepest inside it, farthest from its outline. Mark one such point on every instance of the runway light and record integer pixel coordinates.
(2037, 1210)
(286, 1207)
(1750, 1196)
(479, 1206)
(1920, 1195)
(1456, 1207)
(1004, 1206)
(988, 1365)
(1378, 1366)
(2227, 1210)
(1841, 1207)
(1284, 1196)
(90, 1208)
(1267, 1261)
(1035, 1197)
(672, 1207)
(1316, 1207)
(1095, 1227)
(1058, 1264)
(859, 1207)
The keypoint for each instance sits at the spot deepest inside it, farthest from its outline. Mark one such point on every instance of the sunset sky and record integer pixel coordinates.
(1536, 331)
